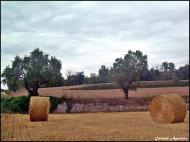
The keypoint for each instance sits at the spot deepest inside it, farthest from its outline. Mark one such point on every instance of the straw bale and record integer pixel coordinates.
(39, 108)
(169, 108)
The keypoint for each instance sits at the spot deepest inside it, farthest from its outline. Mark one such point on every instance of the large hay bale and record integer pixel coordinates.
(39, 108)
(169, 108)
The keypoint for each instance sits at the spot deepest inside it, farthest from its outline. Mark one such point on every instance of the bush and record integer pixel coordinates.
(15, 104)
(6, 105)
(183, 83)
(61, 99)
(21, 104)
(55, 101)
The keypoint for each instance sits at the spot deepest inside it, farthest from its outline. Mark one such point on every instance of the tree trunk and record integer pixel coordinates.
(126, 91)
(34, 90)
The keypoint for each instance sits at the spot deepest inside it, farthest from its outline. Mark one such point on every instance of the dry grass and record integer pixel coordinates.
(39, 108)
(110, 93)
(168, 108)
(90, 126)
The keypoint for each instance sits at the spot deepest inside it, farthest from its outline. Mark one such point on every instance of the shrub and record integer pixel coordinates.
(21, 104)
(55, 101)
(15, 104)
(6, 105)
(61, 99)
(183, 83)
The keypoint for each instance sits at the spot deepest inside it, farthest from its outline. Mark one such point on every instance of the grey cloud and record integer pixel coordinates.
(103, 20)
(79, 31)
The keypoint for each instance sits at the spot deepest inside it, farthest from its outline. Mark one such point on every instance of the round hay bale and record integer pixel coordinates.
(169, 108)
(39, 108)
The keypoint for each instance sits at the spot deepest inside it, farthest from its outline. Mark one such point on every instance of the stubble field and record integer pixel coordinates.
(116, 126)
(90, 126)
(107, 93)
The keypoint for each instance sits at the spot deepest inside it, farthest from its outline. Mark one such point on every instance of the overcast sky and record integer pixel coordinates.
(86, 35)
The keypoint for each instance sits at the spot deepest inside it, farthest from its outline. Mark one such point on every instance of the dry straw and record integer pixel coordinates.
(39, 108)
(169, 108)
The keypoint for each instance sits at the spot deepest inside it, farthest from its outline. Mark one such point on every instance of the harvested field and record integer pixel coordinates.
(109, 93)
(90, 126)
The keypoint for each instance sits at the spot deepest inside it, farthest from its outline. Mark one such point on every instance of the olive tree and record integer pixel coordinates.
(31, 71)
(127, 70)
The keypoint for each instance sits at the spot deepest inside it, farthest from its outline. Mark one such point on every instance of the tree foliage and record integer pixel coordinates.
(11, 76)
(183, 72)
(32, 71)
(168, 67)
(104, 74)
(75, 78)
(127, 70)
(150, 75)
(93, 79)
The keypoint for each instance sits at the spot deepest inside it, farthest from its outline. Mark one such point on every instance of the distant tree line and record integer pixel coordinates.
(166, 71)
(38, 70)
